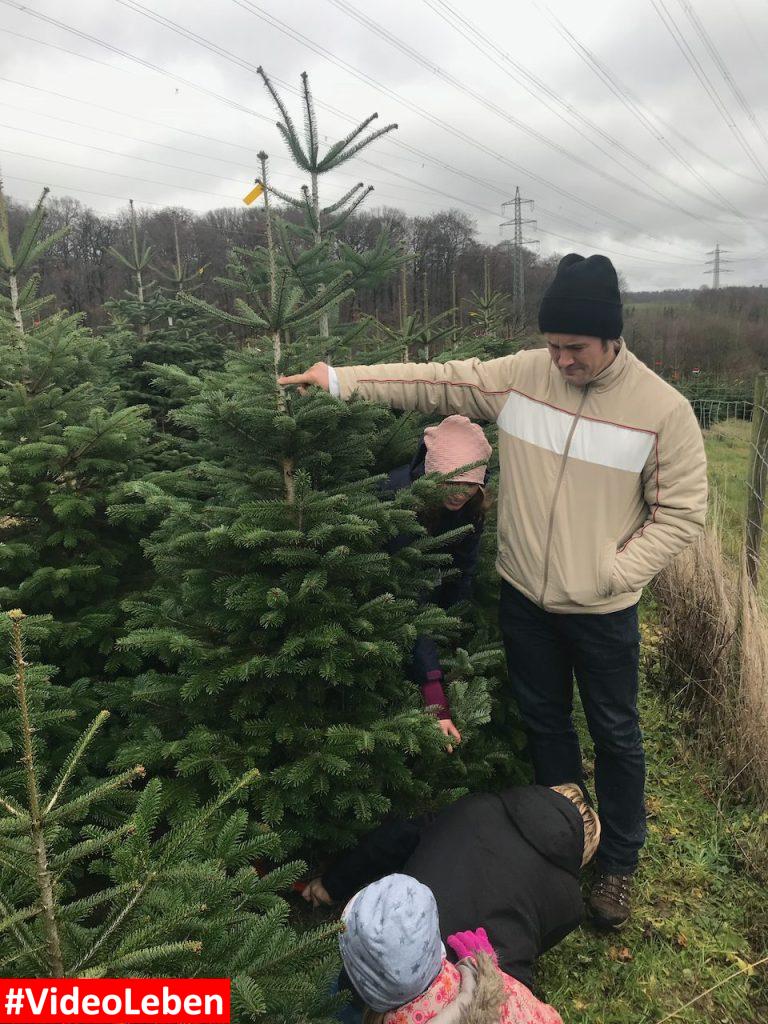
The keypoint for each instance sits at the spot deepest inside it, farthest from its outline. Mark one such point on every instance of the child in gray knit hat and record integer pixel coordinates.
(396, 962)
(391, 945)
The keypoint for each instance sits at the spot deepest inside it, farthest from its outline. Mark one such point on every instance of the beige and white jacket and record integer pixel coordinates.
(599, 487)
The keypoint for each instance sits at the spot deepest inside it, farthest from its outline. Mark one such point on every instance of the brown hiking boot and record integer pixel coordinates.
(609, 902)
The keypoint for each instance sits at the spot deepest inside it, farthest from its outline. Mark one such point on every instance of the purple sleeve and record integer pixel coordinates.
(434, 695)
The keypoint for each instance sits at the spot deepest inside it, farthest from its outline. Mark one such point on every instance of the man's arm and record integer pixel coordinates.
(470, 387)
(675, 487)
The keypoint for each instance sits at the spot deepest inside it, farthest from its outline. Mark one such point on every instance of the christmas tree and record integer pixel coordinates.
(276, 634)
(153, 324)
(66, 441)
(490, 316)
(90, 887)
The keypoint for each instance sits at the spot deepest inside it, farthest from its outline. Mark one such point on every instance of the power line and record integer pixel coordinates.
(125, 113)
(695, 64)
(633, 104)
(63, 49)
(218, 177)
(91, 192)
(326, 54)
(117, 174)
(714, 53)
(124, 156)
(160, 124)
(612, 251)
(138, 60)
(362, 76)
(165, 184)
(535, 86)
(462, 201)
(426, 157)
(444, 75)
(176, 149)
(322, 51)
(456, 132)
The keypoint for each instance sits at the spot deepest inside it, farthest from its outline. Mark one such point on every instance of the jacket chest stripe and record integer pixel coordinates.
(602, 444)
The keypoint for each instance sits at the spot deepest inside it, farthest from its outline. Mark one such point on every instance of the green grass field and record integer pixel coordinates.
(727, 446)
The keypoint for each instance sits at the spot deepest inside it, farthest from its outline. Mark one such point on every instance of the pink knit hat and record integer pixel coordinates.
(454, 443)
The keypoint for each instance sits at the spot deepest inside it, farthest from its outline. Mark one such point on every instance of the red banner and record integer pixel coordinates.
(114, 1000)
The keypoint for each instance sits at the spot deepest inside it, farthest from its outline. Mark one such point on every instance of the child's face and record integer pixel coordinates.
(458, 494)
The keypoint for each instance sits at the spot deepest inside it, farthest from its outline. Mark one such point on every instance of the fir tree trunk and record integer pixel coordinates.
(323, 323)
(44, 881)
(404, 306)
(454, 306)
(179, 275)
(137, 265)
(425, 303)
(14, 286)
(277, 348)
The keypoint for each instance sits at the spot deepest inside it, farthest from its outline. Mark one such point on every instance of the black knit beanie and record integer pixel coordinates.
(583, 298)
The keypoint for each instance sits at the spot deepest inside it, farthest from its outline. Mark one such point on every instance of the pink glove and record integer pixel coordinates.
(466, 944)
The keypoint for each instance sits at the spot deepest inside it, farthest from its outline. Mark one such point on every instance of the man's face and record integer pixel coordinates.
(580, 358)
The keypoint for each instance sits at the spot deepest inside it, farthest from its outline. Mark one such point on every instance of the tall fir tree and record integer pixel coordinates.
(66, 441)
(278, 629)
(91, 887)
(153, 324)
(320, 222)
(490, 315)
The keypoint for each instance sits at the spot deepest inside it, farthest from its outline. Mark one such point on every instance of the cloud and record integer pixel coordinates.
(654, 194)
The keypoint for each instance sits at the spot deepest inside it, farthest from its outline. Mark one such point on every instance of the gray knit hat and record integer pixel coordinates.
(391, 947)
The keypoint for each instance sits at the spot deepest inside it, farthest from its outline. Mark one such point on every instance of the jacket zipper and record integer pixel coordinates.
(558, 484)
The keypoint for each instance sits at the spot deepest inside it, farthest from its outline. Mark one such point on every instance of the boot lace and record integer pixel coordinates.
(615, 888)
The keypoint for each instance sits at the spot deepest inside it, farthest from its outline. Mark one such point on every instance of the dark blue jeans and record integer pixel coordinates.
(545, 650)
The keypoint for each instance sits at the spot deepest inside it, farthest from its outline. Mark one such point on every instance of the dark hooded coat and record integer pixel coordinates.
(508, 862)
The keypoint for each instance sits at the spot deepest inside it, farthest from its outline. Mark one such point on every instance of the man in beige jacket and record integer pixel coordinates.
(602, 481)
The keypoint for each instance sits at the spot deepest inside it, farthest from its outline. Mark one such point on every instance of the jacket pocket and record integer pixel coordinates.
(606, 565)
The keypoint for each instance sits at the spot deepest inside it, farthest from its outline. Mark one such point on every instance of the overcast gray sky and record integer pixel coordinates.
(639, 129)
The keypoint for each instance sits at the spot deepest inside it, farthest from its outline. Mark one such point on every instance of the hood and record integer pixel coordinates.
(480, 998)
(488, 996)
(549, 822)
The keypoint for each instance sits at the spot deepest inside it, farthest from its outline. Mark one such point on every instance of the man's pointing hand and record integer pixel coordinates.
(317, 375)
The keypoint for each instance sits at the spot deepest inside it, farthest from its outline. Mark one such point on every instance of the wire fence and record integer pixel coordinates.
(757, 479)
(710, 411)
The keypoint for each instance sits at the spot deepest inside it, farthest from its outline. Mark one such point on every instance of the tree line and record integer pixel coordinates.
(721, 332)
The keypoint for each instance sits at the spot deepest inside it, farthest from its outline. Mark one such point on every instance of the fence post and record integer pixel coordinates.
(756, 479)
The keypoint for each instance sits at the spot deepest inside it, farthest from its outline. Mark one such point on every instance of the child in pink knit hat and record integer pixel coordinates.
(448, 448)
(453, 445)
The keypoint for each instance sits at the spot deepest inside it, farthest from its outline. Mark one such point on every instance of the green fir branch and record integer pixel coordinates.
(345, 198)
(310, 119)
(329, 160)
(73, 759)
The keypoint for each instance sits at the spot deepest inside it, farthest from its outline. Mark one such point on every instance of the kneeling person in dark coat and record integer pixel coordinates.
(508, 862)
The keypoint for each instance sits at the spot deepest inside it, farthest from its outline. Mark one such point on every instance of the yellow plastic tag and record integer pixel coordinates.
(253, 194)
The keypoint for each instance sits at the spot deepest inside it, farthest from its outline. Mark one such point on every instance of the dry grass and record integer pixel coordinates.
(712, 646)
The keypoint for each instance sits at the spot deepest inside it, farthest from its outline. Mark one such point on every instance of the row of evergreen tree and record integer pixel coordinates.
(206, 623)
